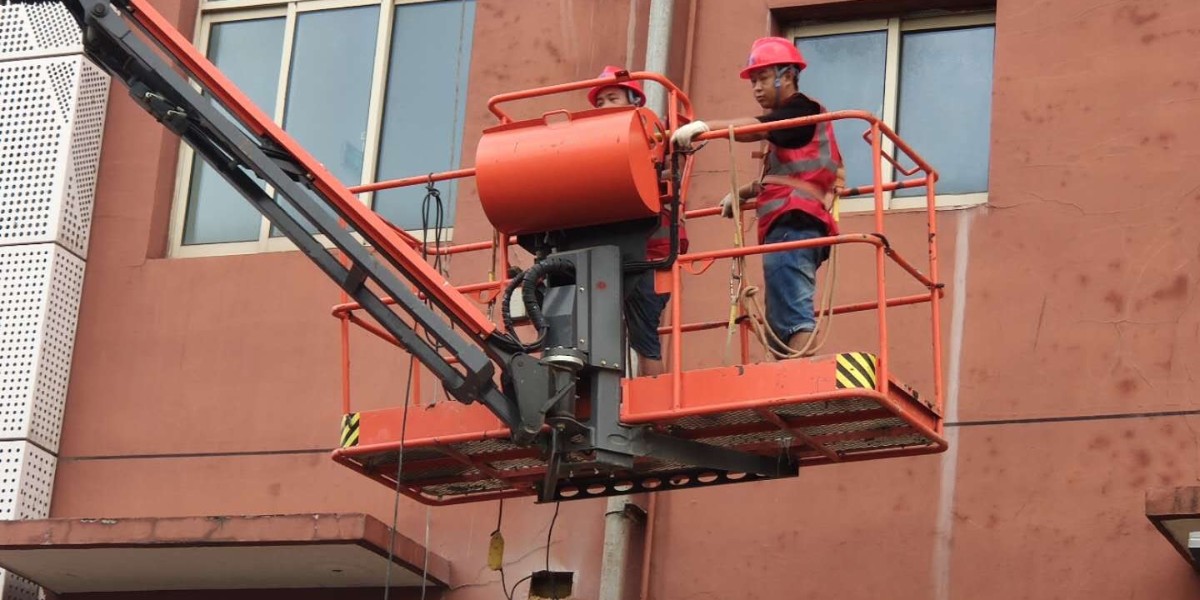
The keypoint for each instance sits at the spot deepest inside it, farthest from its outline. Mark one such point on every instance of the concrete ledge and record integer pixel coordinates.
(305, 551)
(1175, 513)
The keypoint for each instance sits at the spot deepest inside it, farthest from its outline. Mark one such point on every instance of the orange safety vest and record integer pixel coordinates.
(799, 179)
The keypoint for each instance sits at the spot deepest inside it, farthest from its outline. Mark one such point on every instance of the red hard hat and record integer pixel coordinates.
(772, 51)
(611, 71)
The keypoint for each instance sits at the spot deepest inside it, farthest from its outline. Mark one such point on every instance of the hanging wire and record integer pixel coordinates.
(433, 202)
(387, 586)
(550, 533)
(425, 563)
(509, 593)
(433, 216)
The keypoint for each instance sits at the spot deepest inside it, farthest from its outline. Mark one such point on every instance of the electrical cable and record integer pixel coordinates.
(387, 586)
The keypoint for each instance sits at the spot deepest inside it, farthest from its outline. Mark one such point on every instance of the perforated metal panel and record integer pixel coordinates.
(51, 126)
(40, 288)
(37, 30)
(15, 587)
(26, 480)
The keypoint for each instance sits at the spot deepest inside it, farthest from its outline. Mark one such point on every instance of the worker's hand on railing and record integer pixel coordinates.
(727, 206)
(682, 138)
(839, 187)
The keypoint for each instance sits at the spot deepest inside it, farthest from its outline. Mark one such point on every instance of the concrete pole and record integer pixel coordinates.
(658, 49)
(617, 522)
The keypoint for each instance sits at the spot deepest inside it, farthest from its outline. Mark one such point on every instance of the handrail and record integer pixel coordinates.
(697, 262)
(549, 90)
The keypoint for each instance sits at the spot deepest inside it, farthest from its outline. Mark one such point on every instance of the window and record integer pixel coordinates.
(930, 79)
(375, 89)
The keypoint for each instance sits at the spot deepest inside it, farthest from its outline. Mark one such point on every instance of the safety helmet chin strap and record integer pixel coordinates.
(779, 71)
(635, 99)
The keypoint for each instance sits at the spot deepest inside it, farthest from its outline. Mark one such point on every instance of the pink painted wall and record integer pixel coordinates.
(210, 386)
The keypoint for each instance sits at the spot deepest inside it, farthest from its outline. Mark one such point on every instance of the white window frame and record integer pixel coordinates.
(221, 11)
(895, 27)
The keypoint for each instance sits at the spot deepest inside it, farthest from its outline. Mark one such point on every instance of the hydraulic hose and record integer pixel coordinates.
(534, 276)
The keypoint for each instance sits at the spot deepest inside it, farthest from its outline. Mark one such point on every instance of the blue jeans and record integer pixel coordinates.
(791, 276)
(643, 310)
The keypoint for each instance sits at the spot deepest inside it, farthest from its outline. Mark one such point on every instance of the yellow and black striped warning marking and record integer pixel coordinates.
(856, 370)
(350, 430)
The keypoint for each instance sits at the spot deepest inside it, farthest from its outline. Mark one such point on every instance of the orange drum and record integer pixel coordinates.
(570, 169)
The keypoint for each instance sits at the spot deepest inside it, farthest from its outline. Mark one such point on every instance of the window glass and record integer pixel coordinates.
(215, 211)
(847, 72)
(946, 104)
(329, 87)
(425, 105)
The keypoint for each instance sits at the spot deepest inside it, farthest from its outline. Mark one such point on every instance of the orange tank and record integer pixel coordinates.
(567, 170)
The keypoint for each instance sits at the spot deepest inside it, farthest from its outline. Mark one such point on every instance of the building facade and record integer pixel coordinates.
(203, 366)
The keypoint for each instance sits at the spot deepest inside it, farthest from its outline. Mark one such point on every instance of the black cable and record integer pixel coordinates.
(425, 563)
(509, 593)
(432, 201)
(387, 585)
(646, 265)
(549, 534)
(433, 198)
(533, 276)
(528, 280)
(506, 303)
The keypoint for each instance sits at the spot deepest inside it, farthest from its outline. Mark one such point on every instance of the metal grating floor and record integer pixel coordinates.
(815, 433)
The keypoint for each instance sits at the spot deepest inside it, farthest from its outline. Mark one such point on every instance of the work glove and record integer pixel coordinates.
(682, 138)
(727, 206)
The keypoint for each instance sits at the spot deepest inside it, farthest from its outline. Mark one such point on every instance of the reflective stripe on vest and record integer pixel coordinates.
(822, 161)
(803, 187)
(810, 171)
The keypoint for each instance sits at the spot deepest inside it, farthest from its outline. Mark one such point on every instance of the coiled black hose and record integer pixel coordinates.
(534, 276)
(528, 281)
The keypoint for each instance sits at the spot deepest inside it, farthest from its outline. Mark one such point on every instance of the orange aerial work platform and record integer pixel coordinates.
(555, 417)
(811, 411)
(827, 409)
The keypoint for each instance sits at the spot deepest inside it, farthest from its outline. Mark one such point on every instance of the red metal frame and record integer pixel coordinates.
(679, 394)
(438, 440)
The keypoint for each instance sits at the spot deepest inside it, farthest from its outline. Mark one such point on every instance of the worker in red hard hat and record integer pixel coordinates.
(643, 306)
(801, 172)
(620, 93)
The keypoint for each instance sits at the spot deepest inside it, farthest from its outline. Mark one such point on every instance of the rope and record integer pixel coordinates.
(491, 311)
(737, 268)
(746, 300)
